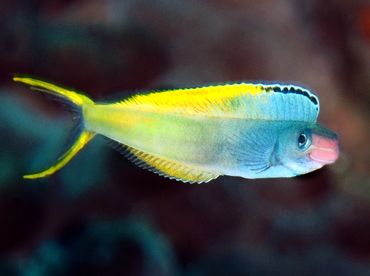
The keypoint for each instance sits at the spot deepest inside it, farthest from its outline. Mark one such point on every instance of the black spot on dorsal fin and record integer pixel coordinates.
(286, 89)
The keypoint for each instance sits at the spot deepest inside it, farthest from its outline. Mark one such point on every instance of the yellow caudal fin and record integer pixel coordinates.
(70, 96)
(74, 102)
(81, 141)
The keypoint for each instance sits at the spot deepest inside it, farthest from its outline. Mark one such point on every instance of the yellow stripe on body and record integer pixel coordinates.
(187, 148)
(222, 100)
(176, 137)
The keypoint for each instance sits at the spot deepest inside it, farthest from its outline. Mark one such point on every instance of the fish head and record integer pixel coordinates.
(306, 147)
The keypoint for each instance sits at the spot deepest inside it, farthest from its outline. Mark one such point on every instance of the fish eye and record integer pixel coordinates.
(304, 140)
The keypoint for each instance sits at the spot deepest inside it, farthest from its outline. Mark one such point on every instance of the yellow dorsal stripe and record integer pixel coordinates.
(199, 100)
(82, 140)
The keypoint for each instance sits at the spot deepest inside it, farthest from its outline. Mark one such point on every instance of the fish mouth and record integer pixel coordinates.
(324, 150)
(324, 156)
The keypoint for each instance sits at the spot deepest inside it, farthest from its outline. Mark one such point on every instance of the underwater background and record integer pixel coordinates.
(102, 215)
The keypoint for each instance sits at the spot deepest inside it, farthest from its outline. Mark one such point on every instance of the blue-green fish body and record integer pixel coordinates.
(198, 134)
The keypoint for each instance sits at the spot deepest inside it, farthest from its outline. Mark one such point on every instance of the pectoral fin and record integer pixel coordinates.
(253, 150)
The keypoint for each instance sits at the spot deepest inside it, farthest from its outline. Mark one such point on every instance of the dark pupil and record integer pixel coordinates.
(302, 139)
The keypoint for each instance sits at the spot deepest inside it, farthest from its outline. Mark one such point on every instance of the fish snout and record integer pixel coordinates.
(324, 150)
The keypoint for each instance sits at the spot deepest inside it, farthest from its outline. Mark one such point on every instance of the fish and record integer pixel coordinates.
(194, 135)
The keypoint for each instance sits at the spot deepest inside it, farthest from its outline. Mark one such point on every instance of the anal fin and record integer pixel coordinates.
(164, 167)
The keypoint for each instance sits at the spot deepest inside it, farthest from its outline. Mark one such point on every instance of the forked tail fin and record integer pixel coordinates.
(72, 101)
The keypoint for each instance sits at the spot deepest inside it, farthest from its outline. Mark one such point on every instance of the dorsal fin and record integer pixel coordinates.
(164, 167)
(244, 100)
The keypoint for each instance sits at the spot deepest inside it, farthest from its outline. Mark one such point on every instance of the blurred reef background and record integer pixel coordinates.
(102, 215)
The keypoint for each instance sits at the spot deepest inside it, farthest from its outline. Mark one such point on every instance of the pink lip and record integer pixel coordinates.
(327, 157)
(324, 150)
